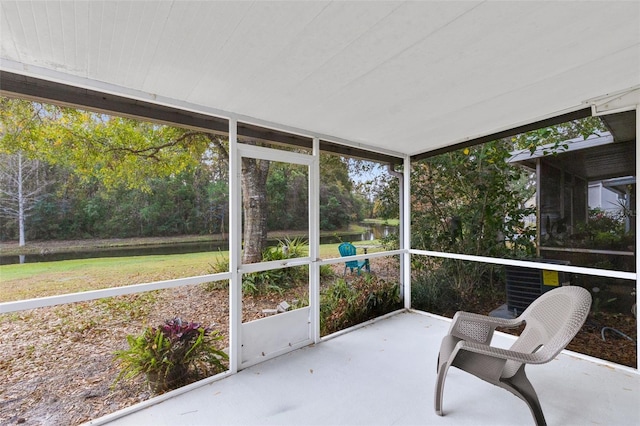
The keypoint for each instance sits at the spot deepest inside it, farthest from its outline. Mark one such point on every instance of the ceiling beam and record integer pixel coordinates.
(26, 87)
(559, 119)
(17, 85)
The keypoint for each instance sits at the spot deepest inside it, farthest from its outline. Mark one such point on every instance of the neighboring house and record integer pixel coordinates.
(580, 174)
(603, 198)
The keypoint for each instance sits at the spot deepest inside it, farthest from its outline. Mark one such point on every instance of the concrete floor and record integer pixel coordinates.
(384, 374)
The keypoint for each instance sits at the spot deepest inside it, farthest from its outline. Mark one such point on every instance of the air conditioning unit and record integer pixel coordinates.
(524, 285)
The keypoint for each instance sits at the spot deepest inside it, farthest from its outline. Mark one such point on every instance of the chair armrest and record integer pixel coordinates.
(478, 328)
(497, 322)
(506, 354)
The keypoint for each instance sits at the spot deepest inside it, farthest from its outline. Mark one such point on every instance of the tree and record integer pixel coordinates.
(337, 204)
(123, 152)
(465, 202)
(21, 174)
(287, 197)
(553, 137)
(125, 177)
(472, 201)
(254, 202)
(387, 200)
(22, 184)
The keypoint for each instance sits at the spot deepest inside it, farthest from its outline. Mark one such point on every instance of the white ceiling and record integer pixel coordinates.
(405, 77)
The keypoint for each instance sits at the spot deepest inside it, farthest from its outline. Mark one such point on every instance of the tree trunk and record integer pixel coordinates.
(21, 202)
(21, 187)
(254, 199)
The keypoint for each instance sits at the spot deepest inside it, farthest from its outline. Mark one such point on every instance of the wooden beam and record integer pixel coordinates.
(16, 85)
(349, 151)
(575, 115)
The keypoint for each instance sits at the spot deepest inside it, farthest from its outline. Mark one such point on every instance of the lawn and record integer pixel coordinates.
(30, 280)
(389, 222)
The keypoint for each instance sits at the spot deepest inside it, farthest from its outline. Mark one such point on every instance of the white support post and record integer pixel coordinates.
(314, 242)
(405, 222)
(538, 204)
(235, 242)
(636, 232)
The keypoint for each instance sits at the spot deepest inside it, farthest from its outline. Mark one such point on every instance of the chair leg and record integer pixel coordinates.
(521, 387)
(442, 373)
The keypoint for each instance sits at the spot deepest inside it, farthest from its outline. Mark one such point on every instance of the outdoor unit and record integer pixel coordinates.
(524, 285)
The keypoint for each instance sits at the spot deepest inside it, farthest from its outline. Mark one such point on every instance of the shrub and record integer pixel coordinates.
(219, 265)
(277, 280)
(603, 230)
(433, 293)
(450, 285)
(326, 271)
(171, 355)
(345, 304)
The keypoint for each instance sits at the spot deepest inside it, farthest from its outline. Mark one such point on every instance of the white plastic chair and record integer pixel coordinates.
(552, 320)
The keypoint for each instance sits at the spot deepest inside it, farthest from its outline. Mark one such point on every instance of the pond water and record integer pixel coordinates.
(372, 232)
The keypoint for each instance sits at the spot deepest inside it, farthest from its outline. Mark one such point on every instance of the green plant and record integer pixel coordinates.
(600, 301)
(219, 265)
(432, 292)
(326, 271)
(171, 355)
(603, 230)
(288, 248)
(277, 280)
(449, 285)
(301, 302)
(345, 304)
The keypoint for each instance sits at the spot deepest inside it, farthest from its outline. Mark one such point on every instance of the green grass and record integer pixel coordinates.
(390, 222)
(30, 280)
(123, 264)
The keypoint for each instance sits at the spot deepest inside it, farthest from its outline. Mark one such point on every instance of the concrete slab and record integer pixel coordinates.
(384, 374)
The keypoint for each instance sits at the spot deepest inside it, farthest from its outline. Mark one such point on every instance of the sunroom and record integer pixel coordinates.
(390, 84)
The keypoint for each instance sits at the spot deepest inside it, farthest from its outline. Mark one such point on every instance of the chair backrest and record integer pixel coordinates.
(348, 249)
(552, 320)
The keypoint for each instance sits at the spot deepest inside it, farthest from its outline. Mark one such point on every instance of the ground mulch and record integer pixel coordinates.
(56, 363)
(615, 347)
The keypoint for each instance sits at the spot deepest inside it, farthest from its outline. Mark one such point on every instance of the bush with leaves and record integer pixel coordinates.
(469, 201)
(344, 304)
(277, 280)
(171, 355)
(604, 230)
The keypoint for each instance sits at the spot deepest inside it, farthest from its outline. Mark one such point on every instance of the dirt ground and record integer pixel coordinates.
(615, 348)
(57, 364)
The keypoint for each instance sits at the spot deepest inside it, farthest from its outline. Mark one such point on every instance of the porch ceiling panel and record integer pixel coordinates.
(404, 76)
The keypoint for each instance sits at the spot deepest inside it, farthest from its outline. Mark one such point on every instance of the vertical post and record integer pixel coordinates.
(235, 242)
(314, 242)
(637, 206)
(562, 200)
(538, 207)
(405, 222)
